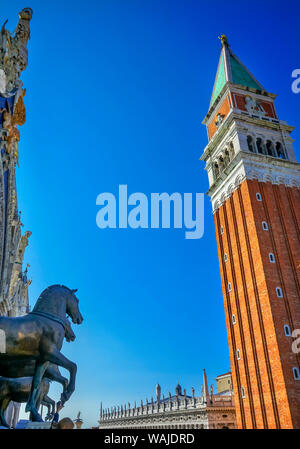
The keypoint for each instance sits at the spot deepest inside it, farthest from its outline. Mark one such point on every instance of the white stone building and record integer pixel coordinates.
(179, 411)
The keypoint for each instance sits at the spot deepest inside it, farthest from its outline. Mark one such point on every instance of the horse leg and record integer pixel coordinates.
(50, 404)
(59, 359)
(54, 374)
(64, 382)
(37, 406)
(48, 414)
(3, 406)
(37, 394)
(35, 390)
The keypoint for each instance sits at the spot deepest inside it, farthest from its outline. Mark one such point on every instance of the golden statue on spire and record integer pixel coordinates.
(223, 39)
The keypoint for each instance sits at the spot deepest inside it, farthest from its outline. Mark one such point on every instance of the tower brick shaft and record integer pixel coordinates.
(254, 188)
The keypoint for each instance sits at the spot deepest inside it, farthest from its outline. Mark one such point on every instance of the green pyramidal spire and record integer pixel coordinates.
(231, 69)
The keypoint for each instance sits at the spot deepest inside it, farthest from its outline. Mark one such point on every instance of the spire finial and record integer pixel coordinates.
(223, 39)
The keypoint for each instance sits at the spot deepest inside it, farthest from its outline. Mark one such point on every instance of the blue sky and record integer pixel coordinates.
(116, 93)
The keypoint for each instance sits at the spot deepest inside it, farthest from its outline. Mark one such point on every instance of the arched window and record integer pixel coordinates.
(258, 197)
(238, 354)
(270, 148)
(296, 373)
(226, 157)
(216, 170)
(231, 150)
(279, 292)
(250, 144)
(221, 163)
(271, 258)
(233, 319)
(260, 145)
(280, 151)
(243, 392)
(287, 330)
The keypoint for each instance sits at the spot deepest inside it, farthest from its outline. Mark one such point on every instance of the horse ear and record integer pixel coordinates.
(75, 290)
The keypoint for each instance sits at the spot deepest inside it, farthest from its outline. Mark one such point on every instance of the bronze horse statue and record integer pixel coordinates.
(38, 337)
(18, 390)
(26, 369)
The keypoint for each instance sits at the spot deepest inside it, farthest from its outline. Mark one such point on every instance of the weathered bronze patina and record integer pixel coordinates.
(34, 341)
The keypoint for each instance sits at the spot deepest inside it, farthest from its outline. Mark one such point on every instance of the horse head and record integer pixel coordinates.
(59, 300)
(72, 306)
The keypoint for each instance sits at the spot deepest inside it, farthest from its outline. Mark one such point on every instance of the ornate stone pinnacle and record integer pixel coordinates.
(13, 53)
(26, 13)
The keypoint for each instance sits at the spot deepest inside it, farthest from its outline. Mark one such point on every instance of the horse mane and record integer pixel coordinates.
(51, 287)
(47, 291)
(55, 286)
(54, 292)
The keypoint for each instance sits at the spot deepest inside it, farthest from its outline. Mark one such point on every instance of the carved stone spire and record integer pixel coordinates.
(205, 388)
(13, 60)
(14, 53)
(193, 392)
(158, 393)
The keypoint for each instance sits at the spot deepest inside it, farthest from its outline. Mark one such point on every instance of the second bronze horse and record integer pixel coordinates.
(38, 337)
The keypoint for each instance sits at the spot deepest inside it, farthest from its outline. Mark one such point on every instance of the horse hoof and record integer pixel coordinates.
(36, 417)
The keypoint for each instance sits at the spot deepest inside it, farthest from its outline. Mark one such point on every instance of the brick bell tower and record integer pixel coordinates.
(254, 181)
